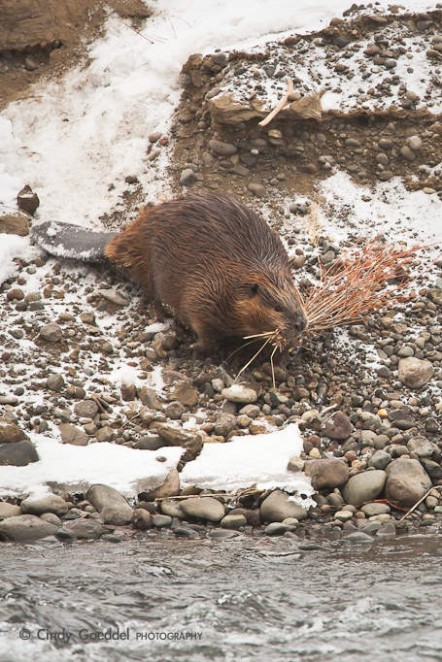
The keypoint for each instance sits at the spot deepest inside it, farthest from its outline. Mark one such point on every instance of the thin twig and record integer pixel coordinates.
(282, 104)
(413, 508)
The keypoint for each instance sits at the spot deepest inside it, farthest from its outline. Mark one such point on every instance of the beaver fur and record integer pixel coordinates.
(215, 264)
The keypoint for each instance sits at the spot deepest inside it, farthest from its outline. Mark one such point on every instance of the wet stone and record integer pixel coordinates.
(233, 521)
(276, 529)
(50, 503)
(25, 528)
(161, 521)
(142, 519)
(371, 509)
(277, 507)
(111, 505)
(84, 529)
(207, 508)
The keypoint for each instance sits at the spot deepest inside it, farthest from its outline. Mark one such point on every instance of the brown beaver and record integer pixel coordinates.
(213, 262)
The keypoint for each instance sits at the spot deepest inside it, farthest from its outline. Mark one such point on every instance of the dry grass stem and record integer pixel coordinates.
(282, 104)
(359, 284)
(273, 338)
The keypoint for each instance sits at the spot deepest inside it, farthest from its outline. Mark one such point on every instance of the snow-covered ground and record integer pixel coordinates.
(86, 132)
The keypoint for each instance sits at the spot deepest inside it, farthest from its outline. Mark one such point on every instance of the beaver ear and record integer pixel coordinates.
(253, 289)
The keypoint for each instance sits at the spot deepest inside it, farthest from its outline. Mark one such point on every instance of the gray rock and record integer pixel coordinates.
(337, 426)
(371, 509)
(224, 424)
(10, 433)
(422, 446)
(142, 519)
(327, 474)
(86, 409)
(174, 410)
(276, 529)
(277, 507)
(8, 510)
(14, 224)
(192, 442)
(49, 503)
(84, 529)
(170, 487)
(239, 393)
(185, 532)
(359, 537)
(407, 481)
(415, 373)
(25, 528)
(149, 442)
(171, 508)
(343, 515)
(364, 487)
(233, 521)
(187, 177)
(51, 332)
(207, 508)
(19, 454)
(222, 149)
(55, 382)
(104, 434)
(161, 521)
(70, 434)
(380, 459)
(111, 505)
(186, 394)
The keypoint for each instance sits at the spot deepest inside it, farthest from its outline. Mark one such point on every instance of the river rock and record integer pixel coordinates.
(233, 521)
(70, 434)
(10, 432)
(206, 508)
(19, 454)
(186, 394)
(337, 426)
(51, 332)
(364, 487)
(48, 503)
(239, 393)
(224, 424)
(222, 149)
(407, 481)
(327, 474)
(192, 442)
(171, 508)
(277, 507)
(27, 200)
(86, 409)
(380, 459)
(415, 373)
(84, 528)
(422, 446)
(142, 519)
(170, 487)
(25, 528)
(111, 505)
(9, 510)
(161, 521)
(14, 224)
(371, 509)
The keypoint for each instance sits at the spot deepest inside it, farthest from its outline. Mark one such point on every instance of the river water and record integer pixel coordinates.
(250, 597)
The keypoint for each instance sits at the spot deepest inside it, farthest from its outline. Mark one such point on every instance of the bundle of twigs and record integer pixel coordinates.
(357, 284)
(360, 283)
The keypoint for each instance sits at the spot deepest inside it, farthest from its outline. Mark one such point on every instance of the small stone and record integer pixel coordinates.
(257, 189)
(8, 510)
(371, 509)
(49, 503)
(276, 529)
(27, 200)
(327, 473)
(15, 294)
(224, 424)
(86, 409)
(343, 515)
(185, 532)
(51, 332)
(222, 149)
(414, 372)
(364, 487)
(187, 177)
(380, 459)
(415, 143)
(104, 434)
(295, 464)
(114, 297)
(174, 410)
(171, 508)
(84, 529)
(70, 434)
(142, 519)
(170, 487)
(337, 426)
(277, 507)
(240, 394)
(421, 446)
(10, 433)
(55, 382)
(207, 508)
(14, 224)
(233, 521)
(161, 521)
(358, 537)
(186, 394)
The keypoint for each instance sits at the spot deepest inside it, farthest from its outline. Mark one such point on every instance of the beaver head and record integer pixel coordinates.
(265, 302)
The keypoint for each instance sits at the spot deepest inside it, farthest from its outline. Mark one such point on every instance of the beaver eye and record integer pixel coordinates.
(277, 308)
(254, 289)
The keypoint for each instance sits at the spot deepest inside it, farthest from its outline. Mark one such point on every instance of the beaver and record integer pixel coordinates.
(207, 258)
